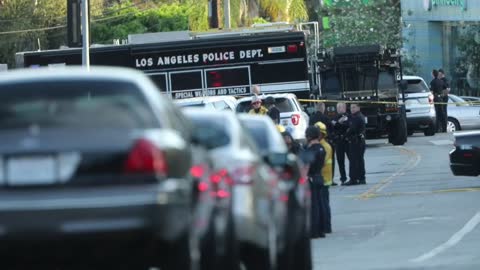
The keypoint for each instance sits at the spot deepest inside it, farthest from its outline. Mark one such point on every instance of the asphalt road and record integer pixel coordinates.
(412, 214)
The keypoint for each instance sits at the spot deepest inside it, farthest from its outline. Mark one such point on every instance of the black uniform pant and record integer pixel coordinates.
(332, 144)
(341, 149)
(328, 212)
(445, 111)
(357, 160)
(318, 210)
(441, 113)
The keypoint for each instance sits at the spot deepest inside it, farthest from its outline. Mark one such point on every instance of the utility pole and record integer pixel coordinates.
(85, 35)
(226, 11)
(214, 12)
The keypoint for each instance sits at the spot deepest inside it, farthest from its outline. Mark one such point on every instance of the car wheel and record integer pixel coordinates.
(452, 125)
(430, 131)
(178, 254)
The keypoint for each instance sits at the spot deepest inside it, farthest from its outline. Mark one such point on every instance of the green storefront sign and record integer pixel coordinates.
(451, 3)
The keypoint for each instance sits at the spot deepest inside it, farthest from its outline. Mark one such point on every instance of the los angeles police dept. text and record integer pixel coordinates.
(195, 58)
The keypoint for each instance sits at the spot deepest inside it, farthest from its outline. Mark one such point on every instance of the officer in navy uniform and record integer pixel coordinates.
(356, 138)
(340, 127)
(316, 160)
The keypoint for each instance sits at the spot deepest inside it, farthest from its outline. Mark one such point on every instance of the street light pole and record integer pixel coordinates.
(85, 35)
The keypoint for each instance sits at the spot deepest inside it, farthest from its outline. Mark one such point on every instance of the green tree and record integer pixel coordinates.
(357, 22)
(469, 64)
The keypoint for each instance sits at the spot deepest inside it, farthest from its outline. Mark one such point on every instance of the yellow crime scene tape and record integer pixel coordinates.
(381, 102)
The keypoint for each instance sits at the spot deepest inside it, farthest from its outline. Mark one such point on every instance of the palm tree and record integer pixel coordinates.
(275, 10)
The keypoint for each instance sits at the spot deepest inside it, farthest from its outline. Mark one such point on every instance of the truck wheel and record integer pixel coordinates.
(430, 131)
(398, 133)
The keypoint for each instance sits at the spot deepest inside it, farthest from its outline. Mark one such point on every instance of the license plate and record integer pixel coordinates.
(31, 171)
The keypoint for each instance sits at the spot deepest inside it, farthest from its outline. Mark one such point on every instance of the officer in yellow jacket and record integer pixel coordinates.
(327, 173)
(257, 107)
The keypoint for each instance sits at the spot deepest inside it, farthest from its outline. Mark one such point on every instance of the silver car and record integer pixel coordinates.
(255, 191)
(461, 114)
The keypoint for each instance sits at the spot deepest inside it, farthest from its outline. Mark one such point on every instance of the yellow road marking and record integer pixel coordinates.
(416, 193)
(411, 163)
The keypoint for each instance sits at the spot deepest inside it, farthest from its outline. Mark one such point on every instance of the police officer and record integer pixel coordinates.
(356, 138)
(327, 174)
(445, 92)
(340, 126)
(316, 159)
(257, 107)
(320, 116)
(437, 87)
(273, 111)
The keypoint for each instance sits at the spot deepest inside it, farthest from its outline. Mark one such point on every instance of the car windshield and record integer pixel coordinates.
(283, 105)
(74, 104)
(416, 86)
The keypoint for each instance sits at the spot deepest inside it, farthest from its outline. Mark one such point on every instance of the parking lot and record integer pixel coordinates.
(413, 214)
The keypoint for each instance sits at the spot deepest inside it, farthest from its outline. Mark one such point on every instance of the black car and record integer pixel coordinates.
(465, 158)
(294, 234)
(95, 168)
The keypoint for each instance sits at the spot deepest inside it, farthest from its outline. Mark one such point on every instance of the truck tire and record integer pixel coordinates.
(398, 133)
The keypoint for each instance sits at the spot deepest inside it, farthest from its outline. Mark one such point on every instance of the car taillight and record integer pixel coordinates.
(221, 176)
(220, 181)
(197, 171)
(292, 48)
(295, 119)
(145, 157)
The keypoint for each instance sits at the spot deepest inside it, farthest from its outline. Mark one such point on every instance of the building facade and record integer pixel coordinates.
(435, 32)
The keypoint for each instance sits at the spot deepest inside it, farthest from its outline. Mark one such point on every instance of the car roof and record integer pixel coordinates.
(205, 99)
(263, 96)
(227, 117)
(73, 72)
(277, 144)
(412, 77)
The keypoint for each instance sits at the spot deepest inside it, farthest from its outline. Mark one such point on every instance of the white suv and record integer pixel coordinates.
(419, 104)
(218, 103)
(292, 116)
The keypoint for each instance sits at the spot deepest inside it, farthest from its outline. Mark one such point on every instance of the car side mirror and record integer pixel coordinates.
(176, 149)
(403, 85)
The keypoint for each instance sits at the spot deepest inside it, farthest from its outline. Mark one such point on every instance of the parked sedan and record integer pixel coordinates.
(293, 228)
(461, 115)
(238, 163)
(465, 158)
(94, 167)
(473, 100)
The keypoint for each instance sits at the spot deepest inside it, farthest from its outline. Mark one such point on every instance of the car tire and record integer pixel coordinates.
(177, 255)
(452, 125)
(255, 258)
(430, 131)
(398, 131)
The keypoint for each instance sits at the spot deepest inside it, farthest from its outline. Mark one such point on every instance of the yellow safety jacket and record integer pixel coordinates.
(262, 111)
(327, 170)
